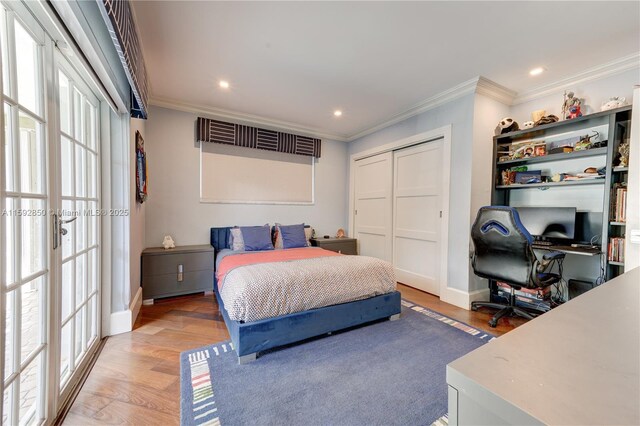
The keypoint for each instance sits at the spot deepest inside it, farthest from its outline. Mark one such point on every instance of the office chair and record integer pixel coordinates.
(503, 252)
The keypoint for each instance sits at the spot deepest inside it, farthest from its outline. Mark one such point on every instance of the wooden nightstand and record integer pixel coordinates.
(176, 271)
(340, 245)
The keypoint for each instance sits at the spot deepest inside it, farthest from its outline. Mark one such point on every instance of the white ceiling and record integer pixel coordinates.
(297, 62)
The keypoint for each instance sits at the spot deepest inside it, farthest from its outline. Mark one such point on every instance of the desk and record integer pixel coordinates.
(577, 364)
(582, 251)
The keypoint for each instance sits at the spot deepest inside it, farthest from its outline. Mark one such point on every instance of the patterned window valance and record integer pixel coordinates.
(251, 137)
(118, 17)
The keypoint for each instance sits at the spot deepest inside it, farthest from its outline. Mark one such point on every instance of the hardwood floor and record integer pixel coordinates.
(136, 379)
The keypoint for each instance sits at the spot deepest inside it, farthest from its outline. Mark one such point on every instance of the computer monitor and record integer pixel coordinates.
(549, 222)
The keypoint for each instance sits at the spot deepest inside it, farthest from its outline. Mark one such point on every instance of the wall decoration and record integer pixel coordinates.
(141, 169)
(209, 130)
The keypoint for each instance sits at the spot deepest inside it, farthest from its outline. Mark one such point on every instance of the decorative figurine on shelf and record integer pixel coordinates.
(547, 119)
(571, 106)
(537, 115)
(168, 243)
(585, 141)
(574, 111)
(340, 233)
(623, 149)
(614, 102)
(527, 124)
(506, 125)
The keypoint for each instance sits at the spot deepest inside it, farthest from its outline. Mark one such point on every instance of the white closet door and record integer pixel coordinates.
(417, 200)
(373, 178)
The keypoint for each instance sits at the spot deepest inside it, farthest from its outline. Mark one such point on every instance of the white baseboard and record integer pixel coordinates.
(136, 303)
(463, 299)
(122, 321)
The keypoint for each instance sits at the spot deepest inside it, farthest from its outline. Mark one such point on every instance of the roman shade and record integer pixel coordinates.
(209, 130)
(118, 17)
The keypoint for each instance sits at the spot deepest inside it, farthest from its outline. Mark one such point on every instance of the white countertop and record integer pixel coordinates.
(577, 364)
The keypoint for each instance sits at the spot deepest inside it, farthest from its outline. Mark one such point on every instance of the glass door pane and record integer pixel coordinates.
(79, 200)
(26, 278)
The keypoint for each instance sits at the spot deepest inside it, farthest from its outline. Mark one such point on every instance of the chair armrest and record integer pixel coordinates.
(554, 255)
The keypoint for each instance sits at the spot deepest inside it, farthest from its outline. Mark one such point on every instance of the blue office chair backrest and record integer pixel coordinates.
(502, 247)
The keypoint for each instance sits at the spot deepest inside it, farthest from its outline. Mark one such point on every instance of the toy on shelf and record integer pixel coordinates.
(506, 125)
(571, 106)
(614, 102)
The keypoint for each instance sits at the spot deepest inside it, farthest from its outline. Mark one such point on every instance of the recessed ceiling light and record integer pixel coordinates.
(536, 71)
(337, 113)
(224, 84)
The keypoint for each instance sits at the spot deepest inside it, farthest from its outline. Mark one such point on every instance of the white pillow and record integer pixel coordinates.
(237, 242)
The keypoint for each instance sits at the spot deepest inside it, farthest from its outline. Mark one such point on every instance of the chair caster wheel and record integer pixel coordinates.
(493, 324)
(474, 308)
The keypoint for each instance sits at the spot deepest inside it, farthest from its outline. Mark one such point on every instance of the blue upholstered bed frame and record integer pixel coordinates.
(251, 338)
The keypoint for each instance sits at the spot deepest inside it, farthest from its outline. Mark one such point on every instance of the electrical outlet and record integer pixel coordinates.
(635, 236)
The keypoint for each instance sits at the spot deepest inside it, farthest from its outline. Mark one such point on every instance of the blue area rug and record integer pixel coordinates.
(390, 372)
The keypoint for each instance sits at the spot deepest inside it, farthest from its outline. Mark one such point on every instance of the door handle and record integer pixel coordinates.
(58, 230)
(62, 222)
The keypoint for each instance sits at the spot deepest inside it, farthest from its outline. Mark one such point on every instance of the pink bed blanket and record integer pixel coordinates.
(242, 259)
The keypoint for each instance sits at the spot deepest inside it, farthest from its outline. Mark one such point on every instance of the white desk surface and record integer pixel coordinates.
(577, 364)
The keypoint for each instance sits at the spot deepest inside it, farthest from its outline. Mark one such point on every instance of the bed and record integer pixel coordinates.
(251, 334)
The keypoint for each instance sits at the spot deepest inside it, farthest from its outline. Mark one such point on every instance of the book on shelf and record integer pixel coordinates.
(616, 249)
(524, 293)
(618, 203)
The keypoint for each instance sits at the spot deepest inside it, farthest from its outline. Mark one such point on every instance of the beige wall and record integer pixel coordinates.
(174, 206)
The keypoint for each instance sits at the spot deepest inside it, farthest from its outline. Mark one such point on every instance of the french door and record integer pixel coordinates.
(50, 222)
(76, 223)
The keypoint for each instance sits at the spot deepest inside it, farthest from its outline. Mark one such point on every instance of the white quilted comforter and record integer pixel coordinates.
(266, 290)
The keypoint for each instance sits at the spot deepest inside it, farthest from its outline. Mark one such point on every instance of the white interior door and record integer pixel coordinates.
(417, 201)
(372, 225)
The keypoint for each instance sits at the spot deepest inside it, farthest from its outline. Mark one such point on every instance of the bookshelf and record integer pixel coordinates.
(612, 125)
(618, 179)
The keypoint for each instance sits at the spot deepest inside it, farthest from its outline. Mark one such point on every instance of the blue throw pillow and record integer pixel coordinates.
(293, 236)
(256, 238)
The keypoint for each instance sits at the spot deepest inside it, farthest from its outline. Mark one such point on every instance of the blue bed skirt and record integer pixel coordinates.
(253, 337)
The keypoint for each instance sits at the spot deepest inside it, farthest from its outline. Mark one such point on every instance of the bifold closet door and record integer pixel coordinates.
(417, 214)
(373, 202)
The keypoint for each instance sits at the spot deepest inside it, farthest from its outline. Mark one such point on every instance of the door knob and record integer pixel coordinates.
(58, 230)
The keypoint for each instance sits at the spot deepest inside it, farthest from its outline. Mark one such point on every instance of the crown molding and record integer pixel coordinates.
(495, 91)
(242, 118)
(479, 84)
(441, 98)
(608, 69)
